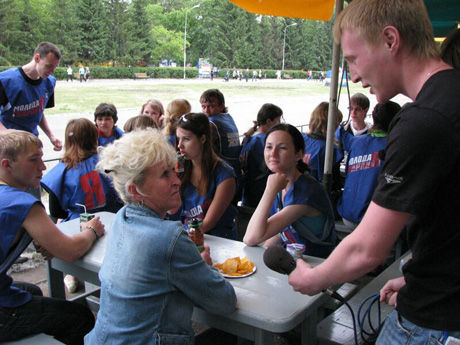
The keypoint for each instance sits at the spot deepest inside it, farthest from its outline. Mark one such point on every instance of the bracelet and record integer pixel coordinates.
(94, 231)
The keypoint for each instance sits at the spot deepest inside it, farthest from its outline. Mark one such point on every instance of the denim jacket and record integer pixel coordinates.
(151, 278)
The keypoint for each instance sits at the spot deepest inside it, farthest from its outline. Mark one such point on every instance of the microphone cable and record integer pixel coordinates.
(370, 336)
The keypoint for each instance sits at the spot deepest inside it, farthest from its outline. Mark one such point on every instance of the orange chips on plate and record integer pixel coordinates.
(236, 267)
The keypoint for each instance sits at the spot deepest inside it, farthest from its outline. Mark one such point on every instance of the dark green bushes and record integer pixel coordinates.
(162, 72)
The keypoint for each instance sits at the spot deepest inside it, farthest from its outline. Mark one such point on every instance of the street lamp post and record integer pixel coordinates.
(185, 35)
(284, 42)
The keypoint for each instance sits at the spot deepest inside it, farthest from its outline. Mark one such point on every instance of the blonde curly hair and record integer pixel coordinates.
(126, 160)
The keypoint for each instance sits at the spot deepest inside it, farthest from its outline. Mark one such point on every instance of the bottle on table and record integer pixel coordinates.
(180, 164)
(195, 233)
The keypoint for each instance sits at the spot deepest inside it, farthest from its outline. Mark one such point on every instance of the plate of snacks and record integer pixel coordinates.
(236, 267)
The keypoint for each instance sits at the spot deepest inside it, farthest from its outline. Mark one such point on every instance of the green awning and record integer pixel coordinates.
(444, 15)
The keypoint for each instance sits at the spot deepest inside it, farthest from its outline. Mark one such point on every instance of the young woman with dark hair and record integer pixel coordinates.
(208, 183)
(295, 207)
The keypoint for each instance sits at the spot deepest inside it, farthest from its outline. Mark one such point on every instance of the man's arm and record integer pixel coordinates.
(47, 235)
(44, 126)
(361, 251)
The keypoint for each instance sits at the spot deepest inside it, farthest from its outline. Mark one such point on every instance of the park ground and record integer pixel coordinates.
(297, 98)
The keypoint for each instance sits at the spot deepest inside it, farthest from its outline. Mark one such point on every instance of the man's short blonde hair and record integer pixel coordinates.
(409, 17)
(127, 159)
(14, 142)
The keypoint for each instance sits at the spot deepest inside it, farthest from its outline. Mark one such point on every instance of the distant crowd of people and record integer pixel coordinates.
(386, 176)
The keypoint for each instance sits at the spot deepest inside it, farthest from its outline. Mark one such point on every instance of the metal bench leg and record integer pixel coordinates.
(262, 337)
(55, 282)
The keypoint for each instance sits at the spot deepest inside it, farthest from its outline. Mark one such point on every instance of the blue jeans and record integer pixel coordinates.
(68, 322)
(398, 330)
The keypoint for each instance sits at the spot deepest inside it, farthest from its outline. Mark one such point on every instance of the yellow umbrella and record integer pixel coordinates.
(307, 9)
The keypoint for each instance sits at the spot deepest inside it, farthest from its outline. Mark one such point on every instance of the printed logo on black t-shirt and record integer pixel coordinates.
(392, 179)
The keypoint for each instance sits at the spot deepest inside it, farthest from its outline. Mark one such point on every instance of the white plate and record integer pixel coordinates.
(243, 276)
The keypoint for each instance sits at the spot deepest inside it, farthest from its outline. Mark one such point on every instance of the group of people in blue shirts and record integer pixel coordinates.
(414, 192)
(267, 172)
(276, 170)
(358, 147)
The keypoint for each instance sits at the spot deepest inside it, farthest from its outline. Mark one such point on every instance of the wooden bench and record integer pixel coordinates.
(337, 328)
(141, 75)
(38, 339)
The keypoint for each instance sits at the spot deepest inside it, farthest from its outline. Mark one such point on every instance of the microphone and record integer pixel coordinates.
(279, 260)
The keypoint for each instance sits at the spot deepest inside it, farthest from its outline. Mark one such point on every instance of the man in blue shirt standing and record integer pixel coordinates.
(26, 91)
(213, 106)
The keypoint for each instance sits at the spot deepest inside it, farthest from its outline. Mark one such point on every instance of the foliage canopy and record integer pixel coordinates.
(139, 32)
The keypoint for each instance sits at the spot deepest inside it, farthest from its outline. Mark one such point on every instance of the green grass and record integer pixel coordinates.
(128, 94)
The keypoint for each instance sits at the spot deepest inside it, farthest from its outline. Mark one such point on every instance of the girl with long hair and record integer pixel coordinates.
(295, 207)
(315, 144)
(74, 186)
(208, 183)
(175, 109)
(154, 108)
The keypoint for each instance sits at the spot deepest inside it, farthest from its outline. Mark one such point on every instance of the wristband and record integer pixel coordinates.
(93, 230)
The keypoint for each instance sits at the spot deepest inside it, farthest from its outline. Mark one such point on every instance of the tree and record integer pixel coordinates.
(94, 31)
(118, 25)
(64, 29)
(130, 31)
(272, 42)
(140, 33)
(22, 26)
(167, 44)
(9, 27)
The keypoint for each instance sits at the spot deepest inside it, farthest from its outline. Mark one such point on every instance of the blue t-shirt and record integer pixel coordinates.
(81, 184)
(315, 155)
(26, 100)
(15, 205)
(195, 205)
(229, 141)
(255, 171)
(308, 191)
(363, 167)
(117, 133)
(172, 140)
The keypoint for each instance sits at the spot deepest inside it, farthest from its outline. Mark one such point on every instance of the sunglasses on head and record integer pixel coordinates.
(186, 117)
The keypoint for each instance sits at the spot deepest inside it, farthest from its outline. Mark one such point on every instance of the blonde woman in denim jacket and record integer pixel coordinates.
(152, 275)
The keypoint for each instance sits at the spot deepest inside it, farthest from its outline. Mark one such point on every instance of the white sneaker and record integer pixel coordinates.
(71, 283)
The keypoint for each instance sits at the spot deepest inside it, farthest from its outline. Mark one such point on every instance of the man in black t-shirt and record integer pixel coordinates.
(390, 48)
